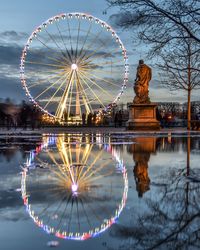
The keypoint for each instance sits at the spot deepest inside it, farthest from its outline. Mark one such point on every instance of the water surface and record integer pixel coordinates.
(99, 192)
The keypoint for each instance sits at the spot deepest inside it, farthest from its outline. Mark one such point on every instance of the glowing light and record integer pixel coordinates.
(74, 66)
(74, 188)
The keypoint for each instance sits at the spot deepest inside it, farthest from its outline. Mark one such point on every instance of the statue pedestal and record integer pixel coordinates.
(142, 117)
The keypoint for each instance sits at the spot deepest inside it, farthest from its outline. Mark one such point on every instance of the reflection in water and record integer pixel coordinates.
(172, 216)
(74, 189)
(141, 150)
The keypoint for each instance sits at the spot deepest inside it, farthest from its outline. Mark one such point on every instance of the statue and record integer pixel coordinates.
(141, 86)
(141, 172)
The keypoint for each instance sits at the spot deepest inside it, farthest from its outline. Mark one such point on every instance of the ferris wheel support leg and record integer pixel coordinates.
(84, 96)
(62, 105)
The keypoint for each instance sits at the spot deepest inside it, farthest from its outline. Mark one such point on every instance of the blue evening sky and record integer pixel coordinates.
(18, 18)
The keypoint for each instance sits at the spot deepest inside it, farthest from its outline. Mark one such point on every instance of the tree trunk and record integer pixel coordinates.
(189, 110)
(188, 153)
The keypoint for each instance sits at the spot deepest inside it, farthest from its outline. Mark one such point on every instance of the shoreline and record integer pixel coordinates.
(121, 131)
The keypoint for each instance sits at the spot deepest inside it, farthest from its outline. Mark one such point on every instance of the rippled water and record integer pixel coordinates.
(95, 192)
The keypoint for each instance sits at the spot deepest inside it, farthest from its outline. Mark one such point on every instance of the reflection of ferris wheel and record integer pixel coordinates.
(73, 64)
(75, 192)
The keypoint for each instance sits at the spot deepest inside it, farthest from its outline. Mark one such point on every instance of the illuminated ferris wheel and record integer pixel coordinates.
(74, 64)
(73, 190)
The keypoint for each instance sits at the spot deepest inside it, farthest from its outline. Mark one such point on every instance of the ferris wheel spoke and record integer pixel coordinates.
(52, 158)
(70, 155)
(59, 205)
(80, 173)
(95, 178)
(93, 211)
(68, 53)
(95, 55)
(102, 79)
(45, 64)
(86, 214)
(90, 67)
(110, 62)
(45, 80)
(95, 52)
(44, 91)
(70, 217)
(65, 158)
(92, 164)
(57, 60)
(104, 208)
(86, 38)
(64, 98)
(57, 45)
(77, 108)
(77, 40)
(86, 101)
(86, 154)
(97, 70)
(44, 210)
(62, 104)
(50, 100)
(93, 82)
(78, 152)
(86, 177)
(60, 175)
(63, 215)
(78, 217)
(89, 46)
(91, 90)
(46, 46)
(48, 70)
(70, 37)
(70, 102)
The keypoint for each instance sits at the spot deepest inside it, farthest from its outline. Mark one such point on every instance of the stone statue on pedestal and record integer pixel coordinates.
(141, 86)
(142, 112)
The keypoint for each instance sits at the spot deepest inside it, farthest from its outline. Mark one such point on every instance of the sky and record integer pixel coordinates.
(19, 18)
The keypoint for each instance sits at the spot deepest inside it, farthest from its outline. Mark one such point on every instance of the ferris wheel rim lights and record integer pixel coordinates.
(71, 235)
(77, 15)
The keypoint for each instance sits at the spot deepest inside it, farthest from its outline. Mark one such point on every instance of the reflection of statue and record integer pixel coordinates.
(141, 172)
(141, 150)
(141, 86)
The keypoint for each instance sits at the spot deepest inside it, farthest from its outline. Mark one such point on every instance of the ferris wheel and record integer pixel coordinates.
(74, 193)
(74, 64)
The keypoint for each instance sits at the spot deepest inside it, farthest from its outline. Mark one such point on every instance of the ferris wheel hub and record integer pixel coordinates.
(74, 66)
(74, 188)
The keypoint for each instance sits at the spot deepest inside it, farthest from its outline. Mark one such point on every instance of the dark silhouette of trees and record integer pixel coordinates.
(23, 115)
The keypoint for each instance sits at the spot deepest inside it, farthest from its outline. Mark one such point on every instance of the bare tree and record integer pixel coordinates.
(181, 69)
(172, 29)
(159, 21)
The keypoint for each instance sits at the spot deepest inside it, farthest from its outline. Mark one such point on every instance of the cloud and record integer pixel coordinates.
(124, 19)
(11, 36)
(10, 54)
